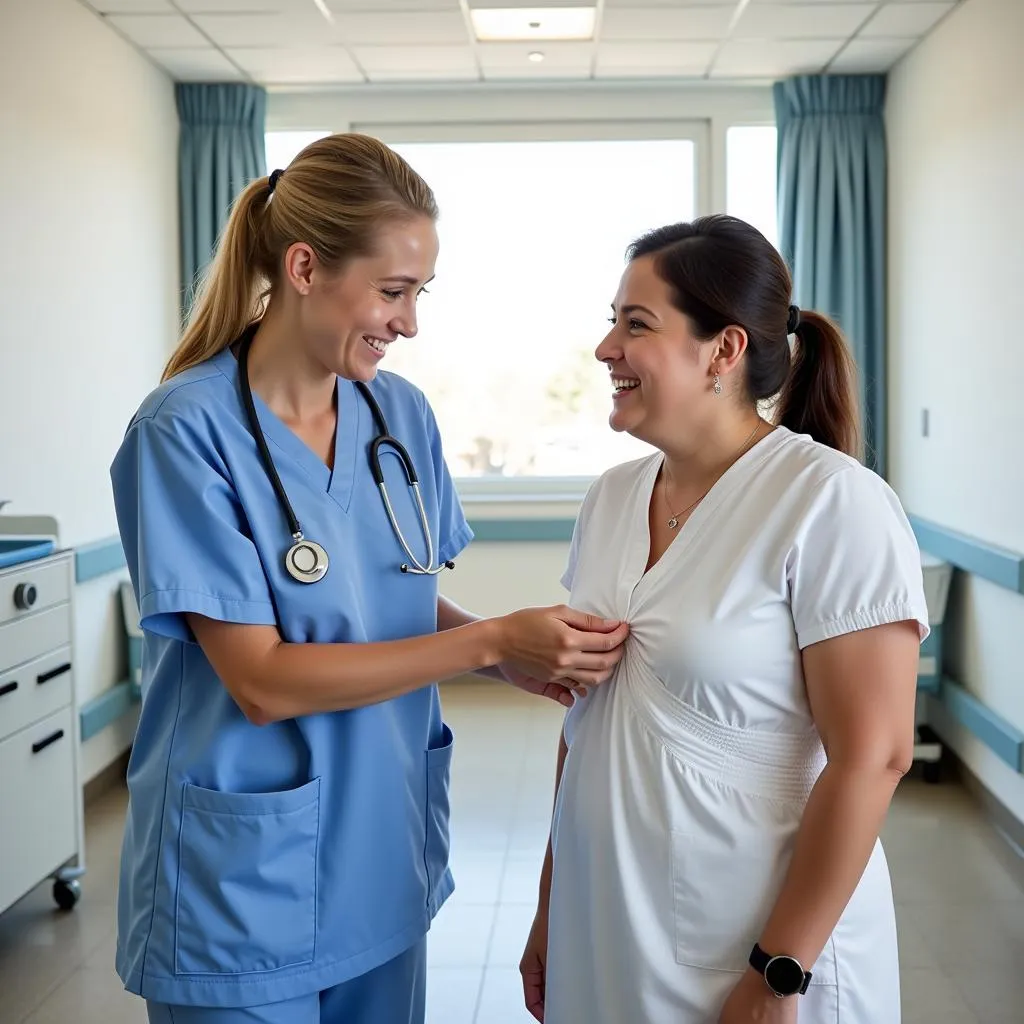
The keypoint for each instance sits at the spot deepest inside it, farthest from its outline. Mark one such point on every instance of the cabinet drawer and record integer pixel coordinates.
(37, 804)
(44, 583)
(32, 637)
(34, 690)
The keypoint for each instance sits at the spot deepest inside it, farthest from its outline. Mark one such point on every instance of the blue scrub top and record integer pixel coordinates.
(262, 863)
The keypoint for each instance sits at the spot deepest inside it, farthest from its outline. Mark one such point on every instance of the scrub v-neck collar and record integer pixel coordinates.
(698, 520)
(339, 482)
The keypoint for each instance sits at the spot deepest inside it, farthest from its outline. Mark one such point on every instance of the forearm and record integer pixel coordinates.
(272, 680)
(452, 616)
(840, 825)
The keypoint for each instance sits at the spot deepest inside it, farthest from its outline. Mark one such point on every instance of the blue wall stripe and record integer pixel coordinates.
(513, 530)
(996, 564)
(98, 558)
(1002, 738)
(107, 708)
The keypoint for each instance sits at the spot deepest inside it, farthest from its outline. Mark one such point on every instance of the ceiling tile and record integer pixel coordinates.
(638, 60)
(238, 6)
(132, 6)
(196, 65)
(612, 5)
(801, 21)
(664, 23)
(407, 28)
(163, 30)
(379, 6)
(869, 56)
(407, 60)
(249, 30)
(908, 20)
(298, 65)
(749, 58)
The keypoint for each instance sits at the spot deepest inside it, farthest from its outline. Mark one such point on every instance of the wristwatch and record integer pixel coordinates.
(784, 975)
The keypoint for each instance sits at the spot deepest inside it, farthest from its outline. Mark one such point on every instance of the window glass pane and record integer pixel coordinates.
(282, 147)
(751, 177)
(533, 238)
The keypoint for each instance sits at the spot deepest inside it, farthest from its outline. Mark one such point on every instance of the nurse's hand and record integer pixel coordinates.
(752, 1002)
(560, 645)
(561, 691)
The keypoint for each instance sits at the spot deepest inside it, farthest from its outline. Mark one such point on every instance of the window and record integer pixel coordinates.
(751, 177)
(533, 239)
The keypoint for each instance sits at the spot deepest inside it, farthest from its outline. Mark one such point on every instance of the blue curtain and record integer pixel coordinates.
(220, 150)
(832, 209)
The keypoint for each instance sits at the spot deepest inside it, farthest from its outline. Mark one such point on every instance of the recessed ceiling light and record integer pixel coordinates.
(536, 56)
(516, 24)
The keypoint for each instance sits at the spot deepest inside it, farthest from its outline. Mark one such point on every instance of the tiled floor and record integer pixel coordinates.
(961, 908)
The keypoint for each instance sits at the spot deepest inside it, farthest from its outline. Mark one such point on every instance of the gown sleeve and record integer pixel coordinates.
(453, 530)
(855, 562)
(185, 535)
(573, 558)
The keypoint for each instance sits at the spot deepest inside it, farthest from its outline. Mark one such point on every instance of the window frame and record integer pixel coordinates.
(708, 136)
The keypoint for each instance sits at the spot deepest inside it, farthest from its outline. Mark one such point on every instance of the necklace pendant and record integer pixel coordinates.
(673, 523)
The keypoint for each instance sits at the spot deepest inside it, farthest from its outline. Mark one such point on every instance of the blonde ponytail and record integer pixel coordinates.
(334, 196)
(234, 287)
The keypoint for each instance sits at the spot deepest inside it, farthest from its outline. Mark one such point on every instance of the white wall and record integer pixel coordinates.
(88, 282)
(955, 114)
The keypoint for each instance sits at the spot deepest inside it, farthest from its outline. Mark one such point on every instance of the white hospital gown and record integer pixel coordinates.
(688, 772)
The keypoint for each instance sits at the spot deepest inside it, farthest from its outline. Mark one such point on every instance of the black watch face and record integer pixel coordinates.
(784, 976)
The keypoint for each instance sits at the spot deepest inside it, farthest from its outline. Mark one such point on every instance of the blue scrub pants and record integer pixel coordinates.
(394, 993)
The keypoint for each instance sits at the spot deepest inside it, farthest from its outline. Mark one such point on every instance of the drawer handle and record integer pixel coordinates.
(25, 595)
(43, 744)
(8, 688)
(53, 673)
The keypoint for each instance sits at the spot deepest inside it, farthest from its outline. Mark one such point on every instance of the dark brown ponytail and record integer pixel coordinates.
(820, 394)
(723, 272)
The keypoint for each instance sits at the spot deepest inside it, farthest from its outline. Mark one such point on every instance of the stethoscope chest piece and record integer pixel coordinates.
(306, 561)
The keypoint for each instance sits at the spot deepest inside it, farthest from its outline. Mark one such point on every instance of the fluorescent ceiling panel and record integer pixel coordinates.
(539, 24)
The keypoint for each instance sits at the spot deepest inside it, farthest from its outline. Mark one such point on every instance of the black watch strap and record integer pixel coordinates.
(784, 975)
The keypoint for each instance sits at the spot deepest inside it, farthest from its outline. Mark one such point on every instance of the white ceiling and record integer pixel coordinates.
(292, 43)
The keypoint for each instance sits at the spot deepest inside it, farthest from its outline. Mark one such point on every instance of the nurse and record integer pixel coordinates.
(286, 845)
(714, 853)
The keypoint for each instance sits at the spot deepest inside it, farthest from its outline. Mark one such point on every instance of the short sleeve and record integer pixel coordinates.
(572, 560)
(453, 530)
(855, 562)
(185, 536)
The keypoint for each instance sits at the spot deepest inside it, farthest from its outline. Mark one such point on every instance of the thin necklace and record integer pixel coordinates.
(673, 520)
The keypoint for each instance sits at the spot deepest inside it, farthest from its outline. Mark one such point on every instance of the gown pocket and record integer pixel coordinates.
(722, 894)
(438, 810)
(247, 869)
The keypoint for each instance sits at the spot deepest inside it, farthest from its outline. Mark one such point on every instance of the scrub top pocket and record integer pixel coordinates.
(246, 900)
(438, 811)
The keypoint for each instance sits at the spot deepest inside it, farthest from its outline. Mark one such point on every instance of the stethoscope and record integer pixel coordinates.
(306, 561)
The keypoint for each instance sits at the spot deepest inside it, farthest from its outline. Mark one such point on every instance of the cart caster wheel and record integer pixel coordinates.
(66, 894)
(932, 773)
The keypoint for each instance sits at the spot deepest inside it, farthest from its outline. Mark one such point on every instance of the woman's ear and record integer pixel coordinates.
(299, 264)
(729, 348)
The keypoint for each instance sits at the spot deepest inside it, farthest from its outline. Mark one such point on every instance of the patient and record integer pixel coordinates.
(714, 851)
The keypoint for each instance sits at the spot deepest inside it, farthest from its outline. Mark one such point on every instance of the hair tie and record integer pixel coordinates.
(275, 176)
(794, 320)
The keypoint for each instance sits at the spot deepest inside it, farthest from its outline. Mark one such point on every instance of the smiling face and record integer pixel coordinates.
(349, 318)
(661, 373)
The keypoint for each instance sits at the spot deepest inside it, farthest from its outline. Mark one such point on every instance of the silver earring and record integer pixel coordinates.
(718, 384)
